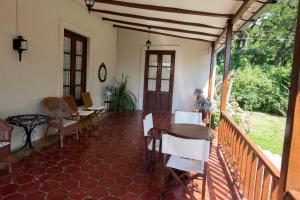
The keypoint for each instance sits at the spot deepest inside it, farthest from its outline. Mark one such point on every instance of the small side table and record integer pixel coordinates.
(28, 122)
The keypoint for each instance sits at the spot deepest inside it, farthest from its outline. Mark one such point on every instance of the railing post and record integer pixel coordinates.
(211, 71)
(290, 167)
(226, 66)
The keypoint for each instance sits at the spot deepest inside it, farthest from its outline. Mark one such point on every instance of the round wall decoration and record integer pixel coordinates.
(102, 73)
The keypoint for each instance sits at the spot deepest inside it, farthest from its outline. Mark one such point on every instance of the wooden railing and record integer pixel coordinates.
(253, 175)
(292, 195)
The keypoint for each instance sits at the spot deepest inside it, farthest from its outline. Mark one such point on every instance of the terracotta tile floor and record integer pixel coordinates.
(107, 163)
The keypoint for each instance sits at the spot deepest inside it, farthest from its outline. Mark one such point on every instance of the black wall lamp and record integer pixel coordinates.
(20, 44)
(89, 4)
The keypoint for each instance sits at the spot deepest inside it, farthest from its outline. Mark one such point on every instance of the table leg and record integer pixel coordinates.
(28, 141)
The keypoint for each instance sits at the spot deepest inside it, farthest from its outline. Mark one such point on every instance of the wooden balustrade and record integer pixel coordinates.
(253, 175)
(292, 195)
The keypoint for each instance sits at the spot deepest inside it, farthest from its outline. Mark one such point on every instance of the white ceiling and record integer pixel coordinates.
(230, 7)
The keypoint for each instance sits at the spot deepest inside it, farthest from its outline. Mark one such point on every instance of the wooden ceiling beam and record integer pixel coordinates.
(163, 8)
(161, 28)
(156, 19)
(238, 15)
(160, 33)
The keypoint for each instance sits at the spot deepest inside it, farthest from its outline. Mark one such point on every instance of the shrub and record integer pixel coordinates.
(261, 90)
(215, 119)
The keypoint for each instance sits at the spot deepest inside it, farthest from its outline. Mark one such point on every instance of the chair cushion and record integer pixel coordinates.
(67, 122)
(96, 108)
(185, 164)
(85, 112)
(157, 143)
(3, 144)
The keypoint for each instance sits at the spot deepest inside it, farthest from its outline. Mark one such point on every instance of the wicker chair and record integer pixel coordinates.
(62, 117)
(86, 116)
(88, 103)
(5, 141)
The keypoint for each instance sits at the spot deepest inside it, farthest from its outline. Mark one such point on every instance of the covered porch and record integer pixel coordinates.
(104, 164)
(107, 161)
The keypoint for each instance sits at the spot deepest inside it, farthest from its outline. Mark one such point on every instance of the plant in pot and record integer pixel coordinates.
(123, 100)
(203, 104)
(108, 94)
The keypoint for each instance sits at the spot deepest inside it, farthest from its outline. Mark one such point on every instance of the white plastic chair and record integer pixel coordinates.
(152, 141)
(188, 118)
(188, 155)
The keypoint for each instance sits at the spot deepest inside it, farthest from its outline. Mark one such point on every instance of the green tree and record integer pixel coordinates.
(263, 66)
(270, 40)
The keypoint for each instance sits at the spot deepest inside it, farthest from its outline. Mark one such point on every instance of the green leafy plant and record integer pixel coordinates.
(261, 90)
(124, 100)
(215, 120)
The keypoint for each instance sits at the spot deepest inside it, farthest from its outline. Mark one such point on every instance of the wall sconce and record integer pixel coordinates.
(89, 4)
(20, 44)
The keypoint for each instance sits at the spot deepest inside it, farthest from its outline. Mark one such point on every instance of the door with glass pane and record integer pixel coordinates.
(158, 81)
(75, 48)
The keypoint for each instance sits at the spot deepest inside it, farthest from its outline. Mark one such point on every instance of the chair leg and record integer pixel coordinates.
(61, 139)
(77, 134)
(204, 181)
(46, 131)
(146, 162)
(9, 164)
(162, 183)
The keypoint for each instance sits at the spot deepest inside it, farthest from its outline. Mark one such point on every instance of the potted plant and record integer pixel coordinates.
(108, 93)
(203, 104)
(123, 99)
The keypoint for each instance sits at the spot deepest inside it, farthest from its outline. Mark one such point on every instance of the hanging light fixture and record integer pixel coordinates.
(89, 4)
(19, 43)
(241, 40)
(148, 43)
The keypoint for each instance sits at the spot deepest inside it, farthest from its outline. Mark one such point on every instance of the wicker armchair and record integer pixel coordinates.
(85, 116)
(5, 141)
(62, 117)
(88, 103)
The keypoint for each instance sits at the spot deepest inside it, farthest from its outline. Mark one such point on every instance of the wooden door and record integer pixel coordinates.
(158, 81)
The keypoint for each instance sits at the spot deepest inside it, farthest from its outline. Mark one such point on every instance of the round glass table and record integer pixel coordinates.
(28, 122)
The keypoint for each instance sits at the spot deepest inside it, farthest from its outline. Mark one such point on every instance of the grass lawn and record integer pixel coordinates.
(267, 131)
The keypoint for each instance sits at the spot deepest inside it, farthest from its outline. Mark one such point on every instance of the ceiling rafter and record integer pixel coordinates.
(161, 28)
(163, 8)
(156, 19)
(161, 33)
(237, 16)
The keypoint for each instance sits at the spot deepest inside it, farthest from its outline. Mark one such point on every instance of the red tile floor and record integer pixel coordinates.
(107, 163)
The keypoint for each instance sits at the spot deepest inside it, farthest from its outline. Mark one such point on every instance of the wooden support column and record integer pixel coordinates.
(226, 66)
(290, 167)
(211, 71)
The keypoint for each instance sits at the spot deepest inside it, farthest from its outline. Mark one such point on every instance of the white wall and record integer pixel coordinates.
(191, 65)
(42, 22)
